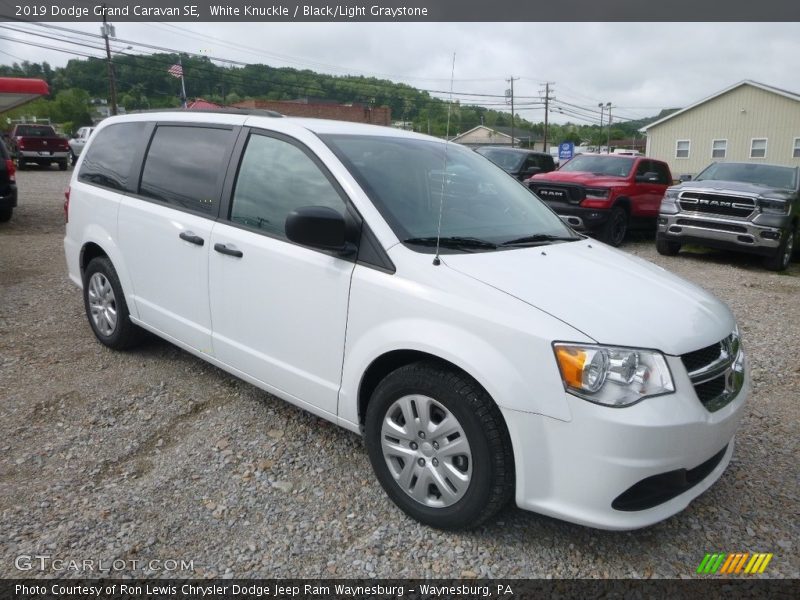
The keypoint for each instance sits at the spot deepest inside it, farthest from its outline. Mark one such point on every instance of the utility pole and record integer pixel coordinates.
(510, 93)
(108, 30)
(608, 139)
(547, 98)
(602, 108)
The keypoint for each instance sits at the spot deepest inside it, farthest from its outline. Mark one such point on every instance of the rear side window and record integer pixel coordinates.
(185, 166)
(109, 157)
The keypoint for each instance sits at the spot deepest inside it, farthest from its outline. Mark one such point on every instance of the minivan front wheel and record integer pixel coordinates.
(439, 446)
(105, 306)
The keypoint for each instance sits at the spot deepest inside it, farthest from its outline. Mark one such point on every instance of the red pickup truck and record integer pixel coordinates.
(38, 144)
(605, 194)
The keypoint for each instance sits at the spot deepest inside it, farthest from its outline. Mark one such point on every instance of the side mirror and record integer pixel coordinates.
(531, 171)
(318, 227)
(649, 177)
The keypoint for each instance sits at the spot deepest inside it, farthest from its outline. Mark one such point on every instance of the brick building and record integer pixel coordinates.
(356, 113)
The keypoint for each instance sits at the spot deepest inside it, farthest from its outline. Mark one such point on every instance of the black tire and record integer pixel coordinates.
(613, 232)
(123, 334)
(783, 256)
(5, 213)
(666, 247)
(63, 164)
(21, 164)
(489, 468)
(73, 158)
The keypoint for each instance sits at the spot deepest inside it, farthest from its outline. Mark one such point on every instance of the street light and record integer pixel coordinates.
(602, 107)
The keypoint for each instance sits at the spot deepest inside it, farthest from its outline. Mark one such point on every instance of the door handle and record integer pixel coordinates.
(223, 249)
(190, 237)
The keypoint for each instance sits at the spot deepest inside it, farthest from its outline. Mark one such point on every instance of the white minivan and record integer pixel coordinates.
(410, 290)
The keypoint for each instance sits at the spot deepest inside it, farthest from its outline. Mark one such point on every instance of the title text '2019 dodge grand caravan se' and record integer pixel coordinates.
(409, 290)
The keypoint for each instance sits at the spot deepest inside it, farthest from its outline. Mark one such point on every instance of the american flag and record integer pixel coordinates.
(176, 71)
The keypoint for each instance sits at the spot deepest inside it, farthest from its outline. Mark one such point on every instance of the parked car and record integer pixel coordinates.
(605, 194)
(747, 207)
(8, 184)
(38, 144)
(483, 349)
(518, 162)
(77, 143)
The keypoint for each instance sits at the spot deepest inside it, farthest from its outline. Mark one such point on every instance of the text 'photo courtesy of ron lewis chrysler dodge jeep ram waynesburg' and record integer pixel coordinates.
(410, 290)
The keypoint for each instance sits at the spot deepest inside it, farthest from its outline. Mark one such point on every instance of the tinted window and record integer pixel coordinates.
(109, 157)
(184, 166)
(663, 173)
(276, 177)
(35, 131)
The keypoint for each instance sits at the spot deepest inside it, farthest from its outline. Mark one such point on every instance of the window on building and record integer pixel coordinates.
(758, 148)
(719, 148)
(682, 149)
(796, 148)
(184, 166)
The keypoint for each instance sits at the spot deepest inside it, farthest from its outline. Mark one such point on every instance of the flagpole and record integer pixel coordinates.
(183, 83)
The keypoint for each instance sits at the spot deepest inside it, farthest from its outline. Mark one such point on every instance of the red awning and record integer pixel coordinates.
(15, 91)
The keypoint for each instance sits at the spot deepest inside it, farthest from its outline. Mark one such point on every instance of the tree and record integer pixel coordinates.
(73, 106)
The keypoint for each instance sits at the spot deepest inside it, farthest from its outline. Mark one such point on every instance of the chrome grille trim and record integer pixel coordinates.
(724, 375)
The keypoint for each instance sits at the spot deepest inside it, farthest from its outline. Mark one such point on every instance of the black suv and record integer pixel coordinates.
(8, 184)
(518, 162)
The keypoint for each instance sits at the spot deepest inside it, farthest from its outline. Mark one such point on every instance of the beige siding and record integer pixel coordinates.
(738, 116)
(481, 136)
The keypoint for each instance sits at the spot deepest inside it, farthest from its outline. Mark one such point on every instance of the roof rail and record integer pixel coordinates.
(257, 112)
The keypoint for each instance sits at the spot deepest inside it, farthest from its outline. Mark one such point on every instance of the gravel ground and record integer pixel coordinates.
(155, 455)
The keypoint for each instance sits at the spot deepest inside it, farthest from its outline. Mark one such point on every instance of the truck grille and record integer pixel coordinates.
(573, 194)
(717, 204)
(712, 225)
(716, 372)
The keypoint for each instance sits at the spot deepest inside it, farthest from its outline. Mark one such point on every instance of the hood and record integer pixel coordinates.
(579, 177)
(612, 297)
(736, 187)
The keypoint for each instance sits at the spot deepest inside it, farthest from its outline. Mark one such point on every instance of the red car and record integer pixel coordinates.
(605, 194)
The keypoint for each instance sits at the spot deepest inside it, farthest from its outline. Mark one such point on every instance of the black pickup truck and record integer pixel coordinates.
(8, 184)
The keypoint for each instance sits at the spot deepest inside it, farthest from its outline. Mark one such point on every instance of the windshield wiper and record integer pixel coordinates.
(453, 241)
(540, 239)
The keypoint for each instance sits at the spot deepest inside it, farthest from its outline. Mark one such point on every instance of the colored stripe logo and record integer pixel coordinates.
(734, 564)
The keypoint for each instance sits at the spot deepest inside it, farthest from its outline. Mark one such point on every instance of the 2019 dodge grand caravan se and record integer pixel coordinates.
(409, 290)
(747, 207)
(605, 194)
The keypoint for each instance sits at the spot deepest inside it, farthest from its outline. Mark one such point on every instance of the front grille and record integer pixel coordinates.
(712, 225)
(717, 204)
(700, 358)
(573, 194)
(716, 372)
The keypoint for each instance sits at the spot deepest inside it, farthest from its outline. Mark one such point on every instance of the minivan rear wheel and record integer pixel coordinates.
(105, 306)
(439, 446)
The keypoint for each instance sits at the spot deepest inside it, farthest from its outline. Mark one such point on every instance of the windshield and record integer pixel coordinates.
(405, 177)
(35, 131)
(507, 160)
(767, 175)
(613, 166)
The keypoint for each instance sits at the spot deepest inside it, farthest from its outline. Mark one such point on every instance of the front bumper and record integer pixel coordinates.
(720, 232)
(576, 470)
(578, 217)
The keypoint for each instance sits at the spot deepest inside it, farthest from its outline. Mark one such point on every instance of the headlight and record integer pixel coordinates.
(669, 203)
(612, 376)
(597, 193)
(775, 206)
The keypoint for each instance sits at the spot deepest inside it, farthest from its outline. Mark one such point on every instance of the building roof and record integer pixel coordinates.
(750, 82)
(16, 91)
(200, 104)
(496, 131)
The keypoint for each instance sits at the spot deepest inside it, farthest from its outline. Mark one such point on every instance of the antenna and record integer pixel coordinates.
(436, 261)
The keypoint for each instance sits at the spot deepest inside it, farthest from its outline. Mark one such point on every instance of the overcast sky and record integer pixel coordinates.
(640, 68)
